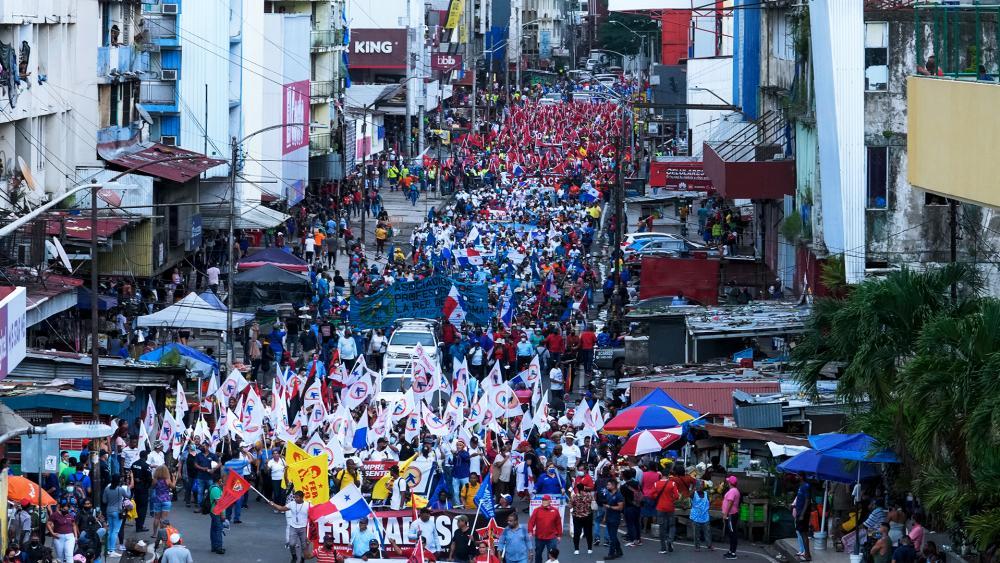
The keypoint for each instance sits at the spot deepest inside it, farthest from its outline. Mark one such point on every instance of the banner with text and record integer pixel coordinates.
(419, 299)
(394, 525)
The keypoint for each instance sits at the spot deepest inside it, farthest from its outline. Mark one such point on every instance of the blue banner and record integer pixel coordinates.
(419, 299)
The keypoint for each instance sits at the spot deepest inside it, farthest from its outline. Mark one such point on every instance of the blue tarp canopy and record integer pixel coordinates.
(104, 302)
(855, 447)
(213, 300)
(197, 362)
(815, 465)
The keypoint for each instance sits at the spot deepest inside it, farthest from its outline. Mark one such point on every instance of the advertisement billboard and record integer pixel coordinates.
(377, 48)
(295, 107)
(445, 62)
(13, 329)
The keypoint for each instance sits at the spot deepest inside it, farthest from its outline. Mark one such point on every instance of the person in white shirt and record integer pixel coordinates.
(424, 528)
(297, 523)
(399, 488)
(310, 247)
(130, 454)
(571, 451)
(383, 451)
(155, 457)
(276, 467)
(213, 278)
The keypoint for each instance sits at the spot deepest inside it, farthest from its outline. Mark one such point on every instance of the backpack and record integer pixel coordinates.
(206, 501)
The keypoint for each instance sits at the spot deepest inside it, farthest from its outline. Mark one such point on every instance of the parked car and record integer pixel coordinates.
(631, 238)
(665, 243)
(397, 371)
(551, 99)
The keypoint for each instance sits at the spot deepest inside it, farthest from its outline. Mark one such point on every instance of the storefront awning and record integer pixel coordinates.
(249, 216)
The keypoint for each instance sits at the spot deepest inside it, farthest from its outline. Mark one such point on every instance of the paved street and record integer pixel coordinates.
(262, 535)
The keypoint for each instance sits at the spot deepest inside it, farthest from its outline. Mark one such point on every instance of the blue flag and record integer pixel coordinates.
(484, 499)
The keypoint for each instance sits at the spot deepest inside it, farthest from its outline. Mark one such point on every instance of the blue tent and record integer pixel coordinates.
(855, 447)
(213, 300)
(197, 362)
(104, 302)
(825, 468)
(659, 398)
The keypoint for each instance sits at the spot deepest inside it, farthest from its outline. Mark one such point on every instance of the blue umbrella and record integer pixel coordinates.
(819, 466)
(855, 447)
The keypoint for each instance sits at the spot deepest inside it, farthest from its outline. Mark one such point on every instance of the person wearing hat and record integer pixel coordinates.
(731, 515)
(326, 553)
(177, 552)
(545, 524)
(156, 457)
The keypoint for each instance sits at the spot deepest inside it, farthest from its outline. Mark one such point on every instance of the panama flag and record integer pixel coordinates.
(469, 257)
(349, 503)
(589, 193)
(517, 170)
(453, 309)
(474, 238)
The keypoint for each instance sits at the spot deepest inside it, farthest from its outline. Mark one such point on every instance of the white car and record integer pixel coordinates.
(550, 99)
(633, 237)
(397, 365)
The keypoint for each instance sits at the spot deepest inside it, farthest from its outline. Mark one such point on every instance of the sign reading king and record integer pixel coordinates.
(377, 48)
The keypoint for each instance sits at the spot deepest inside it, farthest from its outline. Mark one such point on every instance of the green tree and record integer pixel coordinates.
(922, 369)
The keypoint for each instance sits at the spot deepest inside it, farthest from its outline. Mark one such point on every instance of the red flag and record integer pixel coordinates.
(234, 489)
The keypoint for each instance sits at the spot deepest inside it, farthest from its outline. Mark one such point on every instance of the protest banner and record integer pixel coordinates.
(394, 525)
(375, 470)
(419, 299)
(558, 501)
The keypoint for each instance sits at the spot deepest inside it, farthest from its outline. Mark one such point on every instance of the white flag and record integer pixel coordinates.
(232, 385)
(150, 419)
(358, 392)
(180, 402)
(144, 436)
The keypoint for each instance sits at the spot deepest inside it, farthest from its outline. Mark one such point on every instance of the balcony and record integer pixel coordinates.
(162, 30)
(159, 96)
(319, 143)
(320, 91)
(952, 139)
(325, 39)
(117, 62)
(753, 162)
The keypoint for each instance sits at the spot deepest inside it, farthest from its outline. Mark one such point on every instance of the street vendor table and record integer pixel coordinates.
(754, 515)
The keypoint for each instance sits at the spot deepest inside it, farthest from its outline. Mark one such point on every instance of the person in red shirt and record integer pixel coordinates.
(484, 556)
(326, 552)
(545, 524)
(588, 339)
(555, 344)
(664, 494)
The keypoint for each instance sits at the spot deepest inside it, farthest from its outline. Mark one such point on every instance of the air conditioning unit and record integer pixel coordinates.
(168, 74)
(169, 140)
(170, 9)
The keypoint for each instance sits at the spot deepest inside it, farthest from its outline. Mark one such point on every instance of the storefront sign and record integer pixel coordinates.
(13, 329)
(445, 62)
(679, 175)
(377, 48)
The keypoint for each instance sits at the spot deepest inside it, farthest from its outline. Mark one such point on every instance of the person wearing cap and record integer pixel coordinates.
(326, 553)
(545, 524)
(572, 453)
(156, 457)
(731, 515)
(361, 539)
(423, 529)
(177, 552)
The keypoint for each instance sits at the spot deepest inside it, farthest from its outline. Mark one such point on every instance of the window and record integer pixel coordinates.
(876, 56)
(878, 177)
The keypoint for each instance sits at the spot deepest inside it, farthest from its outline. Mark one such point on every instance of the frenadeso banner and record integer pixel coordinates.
(419, 299)
(394, 524)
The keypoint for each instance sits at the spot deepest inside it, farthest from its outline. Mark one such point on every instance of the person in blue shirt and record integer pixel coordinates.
(699, 516)
(361, 539)
(614, 506)
(549, 483)
(461, 466)
(515, 541)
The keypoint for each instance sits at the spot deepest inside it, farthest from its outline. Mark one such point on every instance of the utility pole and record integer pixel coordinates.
(234, 156)
(95, 352)
(409, 74)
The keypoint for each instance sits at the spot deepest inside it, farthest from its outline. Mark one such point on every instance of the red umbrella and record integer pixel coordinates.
(650, 441)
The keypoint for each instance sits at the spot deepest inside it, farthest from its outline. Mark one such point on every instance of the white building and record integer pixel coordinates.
(48, 108)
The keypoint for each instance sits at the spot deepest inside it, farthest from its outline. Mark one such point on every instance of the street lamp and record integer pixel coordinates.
(642, 45)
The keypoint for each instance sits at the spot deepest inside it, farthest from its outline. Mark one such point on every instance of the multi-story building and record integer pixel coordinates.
(48, 104)
(856, 169)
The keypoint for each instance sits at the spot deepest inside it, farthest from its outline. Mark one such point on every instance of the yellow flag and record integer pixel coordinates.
(418, 501)
(383, 488)
(294, 454)
(310, 477)
(403, 465)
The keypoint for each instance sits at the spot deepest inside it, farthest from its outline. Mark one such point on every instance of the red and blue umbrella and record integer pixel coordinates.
(656, 411)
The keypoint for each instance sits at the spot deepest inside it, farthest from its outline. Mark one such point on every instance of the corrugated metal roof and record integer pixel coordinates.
(44, 367)
(153, 159)
(733, 433)
(712, 397)
(80, 227)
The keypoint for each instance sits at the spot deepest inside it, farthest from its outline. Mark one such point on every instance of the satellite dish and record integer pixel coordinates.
(61, 252)
(144, 114)
(26, 172)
